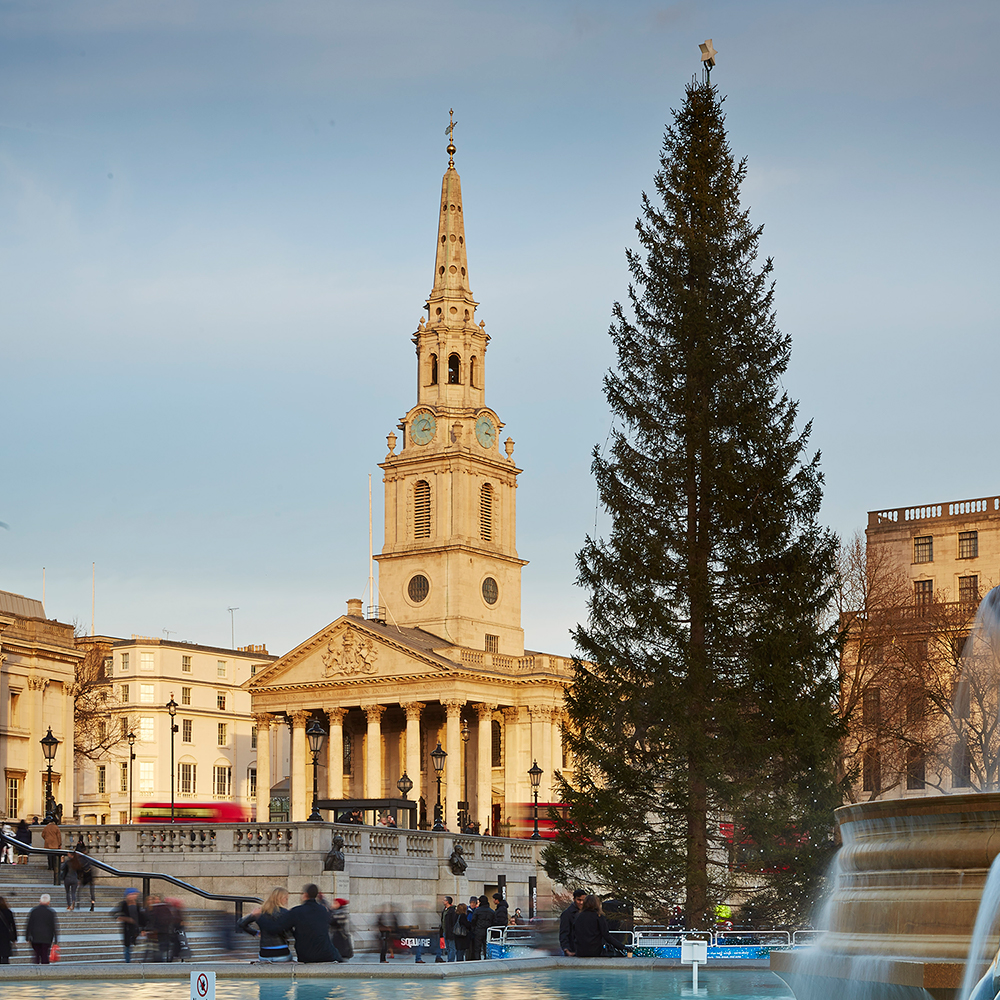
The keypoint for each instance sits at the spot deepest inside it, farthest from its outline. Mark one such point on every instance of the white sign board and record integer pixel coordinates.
(694, 951)
(202, 986)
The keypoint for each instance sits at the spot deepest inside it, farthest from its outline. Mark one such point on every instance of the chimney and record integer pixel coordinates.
(354, 608)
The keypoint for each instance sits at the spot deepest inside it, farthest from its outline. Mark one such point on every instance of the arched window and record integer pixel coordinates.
(422, 509)
(486, 512)
(472, 372)
(434, 369)
(497, 755)
(454, 366)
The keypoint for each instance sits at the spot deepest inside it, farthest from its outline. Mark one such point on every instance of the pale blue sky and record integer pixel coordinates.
(217, 232)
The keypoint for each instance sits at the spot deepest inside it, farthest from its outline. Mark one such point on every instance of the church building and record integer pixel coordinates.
(442, 658)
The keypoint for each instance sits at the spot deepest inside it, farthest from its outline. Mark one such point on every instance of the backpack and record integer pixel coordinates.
(461, 928)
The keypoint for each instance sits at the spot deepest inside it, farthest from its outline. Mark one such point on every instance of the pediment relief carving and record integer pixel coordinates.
(349, 653)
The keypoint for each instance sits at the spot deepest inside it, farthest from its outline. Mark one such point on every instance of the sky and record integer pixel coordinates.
(217, 228)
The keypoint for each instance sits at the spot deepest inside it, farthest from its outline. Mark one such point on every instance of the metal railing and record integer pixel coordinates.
(146, 877)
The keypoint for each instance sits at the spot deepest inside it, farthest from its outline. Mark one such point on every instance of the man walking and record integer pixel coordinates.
(481, 922)
(52, 839)
(131, 918)
(566, 921)
(310, 923)
(448, 914)
(42, 929)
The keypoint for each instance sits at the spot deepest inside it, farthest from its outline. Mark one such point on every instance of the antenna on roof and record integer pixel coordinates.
(93, 595)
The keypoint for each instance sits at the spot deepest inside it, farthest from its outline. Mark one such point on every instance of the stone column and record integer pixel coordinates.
(557, 744)
(66, 786)
(511, 755)
(541, 747)
(299, 806)
(335, 753)
(264, 780)
(34, 792)
(413, 710)
(453, 776)
(373, 752)
(483, 810)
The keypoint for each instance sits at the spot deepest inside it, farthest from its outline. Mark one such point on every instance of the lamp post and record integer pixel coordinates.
(315, 734)
(438, 757)
(172, 711)
(131, 767)
(49, 746)
(404, 785)
(463, 814)
(535, 773)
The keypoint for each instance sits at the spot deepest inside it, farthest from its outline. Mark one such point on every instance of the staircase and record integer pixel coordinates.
(96, 937)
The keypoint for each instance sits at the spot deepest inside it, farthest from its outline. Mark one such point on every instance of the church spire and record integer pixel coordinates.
(450, 302)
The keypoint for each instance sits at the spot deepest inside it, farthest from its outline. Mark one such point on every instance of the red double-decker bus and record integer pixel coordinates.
(192, 812)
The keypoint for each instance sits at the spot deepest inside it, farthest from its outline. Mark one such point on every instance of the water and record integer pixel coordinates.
(980, 954)
(559, 984)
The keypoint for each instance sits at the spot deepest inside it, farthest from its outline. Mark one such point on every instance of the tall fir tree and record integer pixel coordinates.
(702, 712)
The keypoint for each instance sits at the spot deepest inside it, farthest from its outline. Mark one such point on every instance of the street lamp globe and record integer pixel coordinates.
(438, 756)
(172, 705)
(49, 745)
(404, 784)
(535, 773)
(315, 734)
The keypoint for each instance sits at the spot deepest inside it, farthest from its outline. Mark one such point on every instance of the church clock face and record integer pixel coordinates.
(486, 433)
(423, 428)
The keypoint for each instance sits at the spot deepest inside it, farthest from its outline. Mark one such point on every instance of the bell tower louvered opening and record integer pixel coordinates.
(422, 509)
(486, 512)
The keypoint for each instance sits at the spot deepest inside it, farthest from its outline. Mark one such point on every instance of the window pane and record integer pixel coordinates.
(968, 589)
(185, 696)
(223, 729)
(147, 730)
(146, 775)
(186, 664)
(220, 668)
(923, 549)
(185, 730)
(968, 544)
(146, 662)
(923, 592)
(146, 694)
(220, 700)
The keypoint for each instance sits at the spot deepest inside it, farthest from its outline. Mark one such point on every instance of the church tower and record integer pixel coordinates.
(449, 564)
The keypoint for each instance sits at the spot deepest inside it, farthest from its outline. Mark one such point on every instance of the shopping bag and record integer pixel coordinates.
(54, 953)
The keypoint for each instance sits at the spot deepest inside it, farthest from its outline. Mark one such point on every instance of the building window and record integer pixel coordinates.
(961, 768)
(916, 706)
(124, 661)
(496, 756)
(185, 664)
(914, 768)
(871, 772)
(108, 666)
(122, 818)
(223, 737)
(418, 588)
(102, 779)
(491, 592)
(472, 373)
(146, 662)
(125, 726)
(253, 737)
(185, 696)
(222, 780)
(146, 777)
(187, 778)
(13, 797)
(147, 729)
(422, 509)
(220, 700)
(220, 669)
(492, 643)
(348, 753)
(123, 694)
(486, 512)
(923, 549)
(871, 707)
(146, 694)
(434, 369)
(14, 716)
(252, 783)
(968, 544)
(186, 727)
(454, 369)
(962, 700)
(123, 776)
(968, 589)
(923, 593)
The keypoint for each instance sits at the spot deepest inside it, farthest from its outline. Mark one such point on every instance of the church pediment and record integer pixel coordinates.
(351, 651)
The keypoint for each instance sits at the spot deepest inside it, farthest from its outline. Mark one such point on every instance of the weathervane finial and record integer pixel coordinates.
(708, 55)
(450, 132)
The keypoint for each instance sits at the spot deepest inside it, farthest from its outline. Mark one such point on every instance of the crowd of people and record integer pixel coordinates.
(583, 928)
(319, 929)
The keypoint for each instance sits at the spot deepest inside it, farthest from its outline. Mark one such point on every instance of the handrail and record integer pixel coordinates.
(145, 876)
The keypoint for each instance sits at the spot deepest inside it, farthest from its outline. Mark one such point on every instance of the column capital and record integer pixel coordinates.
(485, 712)
(454, 708)
(336, 714)
(299, 719)
(540, 713)
(373, 712)
(36, 682)
(413, 710)
(263, 719)
(510, 713)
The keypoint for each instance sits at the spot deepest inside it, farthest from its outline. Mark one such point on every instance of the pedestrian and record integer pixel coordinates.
(23, 834)
(42, 929)
(590, 930)
(69, 873)
(518, 917)
(87, 873)
(6, 847)
(310, 923)
(567, 919)
(8, 932)
(132, 918)
(52, 840)
(341, 929)
(501, 912)
(388, 931)
(161, 922)
(482, 921)
(448, 914)
(462, 931)
(273, 946)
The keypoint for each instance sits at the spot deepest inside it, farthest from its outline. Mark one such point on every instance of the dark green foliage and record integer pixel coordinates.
(704, 694)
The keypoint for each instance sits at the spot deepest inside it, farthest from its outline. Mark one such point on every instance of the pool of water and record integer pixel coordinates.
(556, 984)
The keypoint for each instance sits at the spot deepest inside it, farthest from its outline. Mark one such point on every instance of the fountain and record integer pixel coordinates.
(912, 873)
